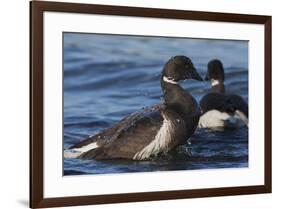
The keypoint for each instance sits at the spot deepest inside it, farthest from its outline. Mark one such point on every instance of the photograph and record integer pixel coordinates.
(135, 103)
(176, 103)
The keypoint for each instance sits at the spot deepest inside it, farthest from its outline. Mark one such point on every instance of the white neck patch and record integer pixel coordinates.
(215, 82)
(167, 80)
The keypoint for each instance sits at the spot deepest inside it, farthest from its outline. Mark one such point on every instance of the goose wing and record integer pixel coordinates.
(150, 133)
(223, 103)
(238, 103)
(212, 101)
(132, 134)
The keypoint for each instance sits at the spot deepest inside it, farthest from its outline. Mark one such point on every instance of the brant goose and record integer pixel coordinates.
(221, 110)
(153, 130)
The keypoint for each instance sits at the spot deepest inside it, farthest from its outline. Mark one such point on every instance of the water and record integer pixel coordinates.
(107, 77)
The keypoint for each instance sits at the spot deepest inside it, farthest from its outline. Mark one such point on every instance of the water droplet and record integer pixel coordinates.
(99, 137)
(178, 120)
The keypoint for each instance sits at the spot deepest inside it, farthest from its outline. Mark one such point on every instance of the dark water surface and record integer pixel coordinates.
(107, 77)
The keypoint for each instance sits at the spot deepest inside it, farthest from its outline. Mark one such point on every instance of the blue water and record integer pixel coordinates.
(107, 77)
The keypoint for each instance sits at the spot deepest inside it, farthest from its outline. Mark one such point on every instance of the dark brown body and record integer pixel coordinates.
(153, 130)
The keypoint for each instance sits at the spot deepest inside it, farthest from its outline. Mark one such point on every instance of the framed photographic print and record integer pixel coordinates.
(139, 104)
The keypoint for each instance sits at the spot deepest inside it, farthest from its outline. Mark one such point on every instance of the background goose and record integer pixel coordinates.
(218, 108)
(151, 131)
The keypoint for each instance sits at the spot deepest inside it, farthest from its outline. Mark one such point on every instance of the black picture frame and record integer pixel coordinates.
(37, 8)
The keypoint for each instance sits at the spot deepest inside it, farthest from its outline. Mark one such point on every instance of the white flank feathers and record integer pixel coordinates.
(71, 154)
(167, 80)
(160, 142)
(243, 117)
(217, 119)
(76, 152)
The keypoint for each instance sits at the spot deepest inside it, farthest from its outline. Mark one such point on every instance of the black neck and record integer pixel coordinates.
(178, 99)
(219, 88)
